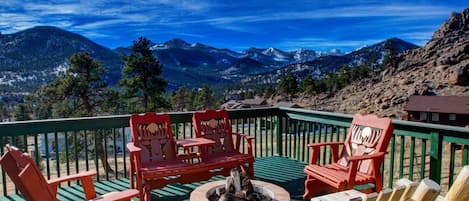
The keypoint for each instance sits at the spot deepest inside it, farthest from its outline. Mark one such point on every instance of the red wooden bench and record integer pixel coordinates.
(29, 180)
(155, 161)
(359, 161)
(226, 153)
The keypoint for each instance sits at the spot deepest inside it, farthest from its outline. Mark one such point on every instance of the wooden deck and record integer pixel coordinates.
(282, 171)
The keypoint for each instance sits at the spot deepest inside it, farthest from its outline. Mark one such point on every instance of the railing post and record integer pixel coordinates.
(279, 131)
(436, 156)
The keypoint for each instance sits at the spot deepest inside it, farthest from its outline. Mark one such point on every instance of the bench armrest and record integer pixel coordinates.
(132, 148)
(315, 151)
(248, 142)
(86, 179)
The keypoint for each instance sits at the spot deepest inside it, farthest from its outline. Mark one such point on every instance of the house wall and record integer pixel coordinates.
(444, 118)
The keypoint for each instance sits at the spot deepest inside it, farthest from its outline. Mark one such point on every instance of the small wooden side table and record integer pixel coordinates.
(348, 195)
(202, 143)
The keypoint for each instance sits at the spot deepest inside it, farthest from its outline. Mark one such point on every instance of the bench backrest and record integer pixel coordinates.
(367, 134)
(153, 134)
(24, 173)
(214, 125)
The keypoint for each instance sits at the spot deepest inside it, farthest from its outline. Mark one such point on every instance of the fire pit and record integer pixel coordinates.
(239, 190)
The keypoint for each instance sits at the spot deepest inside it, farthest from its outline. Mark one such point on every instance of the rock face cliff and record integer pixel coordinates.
(441, 67)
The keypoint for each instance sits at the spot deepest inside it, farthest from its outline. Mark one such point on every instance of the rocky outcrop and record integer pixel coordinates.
(441, 67)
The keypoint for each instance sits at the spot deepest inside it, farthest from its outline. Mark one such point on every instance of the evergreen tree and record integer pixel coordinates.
(22, 112)
(390, 55)
(308, 85)
(288, 84)
(80, 91)
(180, 99)
(204, 99)
(141, 78)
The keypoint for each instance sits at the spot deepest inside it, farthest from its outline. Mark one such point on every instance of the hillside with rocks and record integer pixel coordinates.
(441, 67)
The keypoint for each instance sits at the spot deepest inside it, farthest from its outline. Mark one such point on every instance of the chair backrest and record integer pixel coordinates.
(214, 125)
(367, 134)
(24, 173)
(154, 135)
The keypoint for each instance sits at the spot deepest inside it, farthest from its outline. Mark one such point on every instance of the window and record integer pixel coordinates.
(452, 117)
(423, 116)
(435, 117)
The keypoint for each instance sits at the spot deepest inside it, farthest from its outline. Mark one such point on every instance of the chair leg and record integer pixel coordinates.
(147, 194)
(315, 187)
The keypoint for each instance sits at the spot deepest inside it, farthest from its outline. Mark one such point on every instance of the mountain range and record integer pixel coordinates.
(33, 57)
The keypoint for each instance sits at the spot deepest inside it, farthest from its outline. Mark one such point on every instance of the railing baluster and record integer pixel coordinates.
(124, 150)
(422, 158)
(411, 158)
(279, 129)
(436, 156)
(36, 150)
(451, 163)
(55, 146)
(4, 179)
(87, 164)
(75, 148)
(271, 129)
(331, 137)
(308, 141)
(260, 136)
(256, 140)
(114, 144)
(96, 154)
(266, 137)
(303, 143)
(391, 162)
(401, 156)
(46, 145)
(67, 160)
(465, 155)
(104, 138)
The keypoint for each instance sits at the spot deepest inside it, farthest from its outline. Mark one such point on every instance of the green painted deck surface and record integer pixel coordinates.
(282, 171)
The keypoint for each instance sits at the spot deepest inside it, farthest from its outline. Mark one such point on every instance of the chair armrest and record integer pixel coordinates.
(86, 179)
(376, 159)
(59, 180)
(320, 144)
(248, 142)
(315, 151)
(365, 157)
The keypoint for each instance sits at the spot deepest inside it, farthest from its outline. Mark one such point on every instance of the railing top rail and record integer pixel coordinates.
(398, 124)
(107, 122)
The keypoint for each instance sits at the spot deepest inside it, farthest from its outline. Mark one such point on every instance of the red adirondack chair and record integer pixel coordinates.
(30, 181)
(360, 159)
(215, 125)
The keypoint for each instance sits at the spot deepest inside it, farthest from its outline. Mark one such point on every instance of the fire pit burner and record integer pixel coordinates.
(249, 190)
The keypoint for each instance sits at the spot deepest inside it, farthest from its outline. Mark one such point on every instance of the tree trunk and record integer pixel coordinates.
(100, 151)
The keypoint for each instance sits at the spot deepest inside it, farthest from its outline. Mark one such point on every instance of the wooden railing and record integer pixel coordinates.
(66, 146)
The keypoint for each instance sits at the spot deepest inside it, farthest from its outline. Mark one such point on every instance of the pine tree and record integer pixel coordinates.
(288, 85)
(21, 112)
(204, 99)
(141, 78)
(80, 91)
(307, 85)
(180, 99)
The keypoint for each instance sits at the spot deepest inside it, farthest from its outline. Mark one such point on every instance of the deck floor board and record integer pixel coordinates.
(281, 171)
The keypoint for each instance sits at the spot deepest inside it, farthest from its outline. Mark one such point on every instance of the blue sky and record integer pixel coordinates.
(237, 24)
